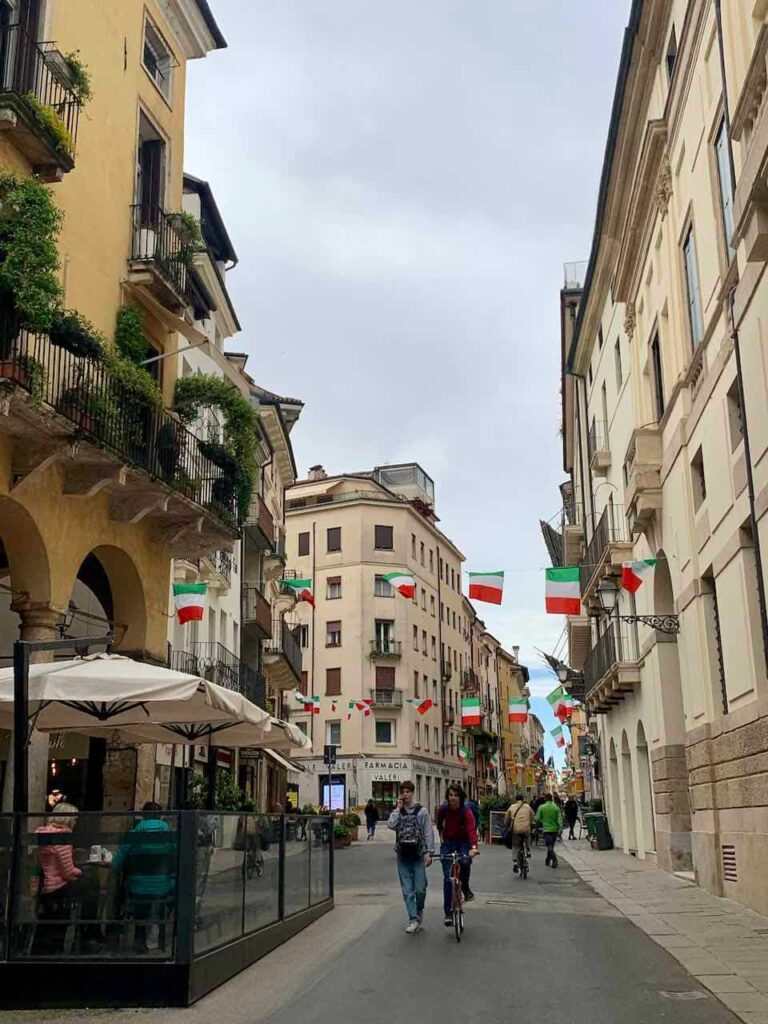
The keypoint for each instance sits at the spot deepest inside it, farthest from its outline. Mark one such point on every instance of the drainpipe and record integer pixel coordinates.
(737, 353)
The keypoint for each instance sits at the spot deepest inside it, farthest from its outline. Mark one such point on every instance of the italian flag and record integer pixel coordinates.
(470, 711)
(558, 737)
(463, 754)
(563, 591)
(422, 706)
(493, 761)
(311, 704)
(350, 709)
(189, 601)
(486, 586)
(364, 706)
(633, 573)
(402, 582)
(302, 589)
(518, 709)
(558, 701)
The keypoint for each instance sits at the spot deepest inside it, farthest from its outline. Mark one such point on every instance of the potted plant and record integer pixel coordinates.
(340, 836)
(351, 822)
(71, 331)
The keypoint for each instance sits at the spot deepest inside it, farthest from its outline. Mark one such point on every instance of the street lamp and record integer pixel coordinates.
(608, 595)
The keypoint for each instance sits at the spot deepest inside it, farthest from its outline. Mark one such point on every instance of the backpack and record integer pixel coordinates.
(409, 836)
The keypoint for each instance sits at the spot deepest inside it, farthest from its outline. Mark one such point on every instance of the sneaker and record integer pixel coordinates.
(515, 869)
(469, 895)
(448, 922)
(412, 928)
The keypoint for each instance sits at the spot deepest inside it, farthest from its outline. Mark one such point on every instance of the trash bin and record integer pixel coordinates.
(598, 831)
(589, 821)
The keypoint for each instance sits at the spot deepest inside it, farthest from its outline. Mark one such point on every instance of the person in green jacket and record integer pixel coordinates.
(550, 817)
(146, 860)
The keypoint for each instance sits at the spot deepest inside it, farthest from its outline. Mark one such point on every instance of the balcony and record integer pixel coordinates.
(579, 629)
(260, 525)
(446, 671)
(449, 716)
(161, 257)
(39, 109)
(611, 670)
(217, 664)
(216, 569)
(607, 549)
(387, 700)
(70, 410)
(386, 649)
(572, 533)
(470, 685)
(598, 449)
(282, 657)
(642, 474)
(274, 558)
(257, 613)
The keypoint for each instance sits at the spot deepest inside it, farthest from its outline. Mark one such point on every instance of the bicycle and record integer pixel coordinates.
(457, 896)
(522, 860)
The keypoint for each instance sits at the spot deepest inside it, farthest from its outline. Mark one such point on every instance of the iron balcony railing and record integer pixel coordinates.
(613, 647)
(285, 642)
(469, 681)
(39, 71)
(447, 671)
(611, 529)
(257, 610)
(597, 439)
(216, 663)
(110, 414)
(158, 239)
(387, 698)
(449, 716)
(386, 648)
(261, 522)
(222, 562)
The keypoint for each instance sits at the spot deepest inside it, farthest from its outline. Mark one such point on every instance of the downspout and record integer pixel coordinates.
(737, 353)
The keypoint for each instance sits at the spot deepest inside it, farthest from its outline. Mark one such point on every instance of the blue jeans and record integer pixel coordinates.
(413, 882)
(446, 849)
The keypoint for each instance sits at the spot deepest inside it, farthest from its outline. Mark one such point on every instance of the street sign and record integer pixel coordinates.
(329, 754)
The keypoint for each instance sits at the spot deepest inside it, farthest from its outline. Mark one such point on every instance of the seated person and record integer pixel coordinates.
(57, 885)
(147, 860)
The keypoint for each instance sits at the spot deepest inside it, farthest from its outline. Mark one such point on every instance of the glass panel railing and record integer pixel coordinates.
(6, 853)
(261, 835)
(320, 845)
(95, 885)
(297, 854)
(219, 877)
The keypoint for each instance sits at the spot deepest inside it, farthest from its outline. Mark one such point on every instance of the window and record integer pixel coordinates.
(426, 737)
(453, 579)
(385, 635)
(432, 604)
(385, 732)
(417, 743)
(304, 636)
(589, 375)
(333, 634)
(692, 285)
(431, 560)
(413, 546)
(302, 725)
(382, 587)
(304, 684)
(426, 686)
(383, 538)
(385, 677)
(617, 360)
(599, 337)
(333, 682)
(157, 59)
(415, 638)
(333, 733)
(303, 544)
(333, 588)
(334, 538)
(421, 553)
(415, 684)
(434, 648)
(442, 612)
(454, 620)
(736, 427)
(698, 481)
(424, 641)
(437, 740)
(434, 691)
(671, 55)
(658, 377)
(723, 156)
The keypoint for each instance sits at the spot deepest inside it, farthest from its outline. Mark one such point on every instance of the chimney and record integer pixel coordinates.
(516, 652)
(317, 473)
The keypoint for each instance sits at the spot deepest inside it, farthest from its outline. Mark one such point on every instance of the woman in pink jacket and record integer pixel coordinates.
(58, 890)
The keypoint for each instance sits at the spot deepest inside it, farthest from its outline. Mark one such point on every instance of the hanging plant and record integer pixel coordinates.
(51, 123)
(188, 229)
(129, 335)
(138, 383)
(80, 77)
(30, 223)
(71, 331)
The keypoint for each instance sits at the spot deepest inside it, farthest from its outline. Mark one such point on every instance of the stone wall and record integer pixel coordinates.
(671, 804)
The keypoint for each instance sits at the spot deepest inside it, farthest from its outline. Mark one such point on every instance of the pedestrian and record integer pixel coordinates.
(519, 821)
(458, 833)
(571, 815)
(550, 817)
(371, 817)
(415, 846)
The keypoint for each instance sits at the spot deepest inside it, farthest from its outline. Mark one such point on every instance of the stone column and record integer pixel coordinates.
(38, 622)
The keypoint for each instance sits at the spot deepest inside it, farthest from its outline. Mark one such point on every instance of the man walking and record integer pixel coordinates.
(571, 815)
(414, 845)
(550, 817)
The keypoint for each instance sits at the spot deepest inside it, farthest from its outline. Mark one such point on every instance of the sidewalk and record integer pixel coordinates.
(722, 944)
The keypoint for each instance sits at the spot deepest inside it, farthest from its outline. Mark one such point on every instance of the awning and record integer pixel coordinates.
(166, 317)
(281, 761)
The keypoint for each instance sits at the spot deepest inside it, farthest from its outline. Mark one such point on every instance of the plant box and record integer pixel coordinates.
(11, 370)
(84, 419)
(339, 844)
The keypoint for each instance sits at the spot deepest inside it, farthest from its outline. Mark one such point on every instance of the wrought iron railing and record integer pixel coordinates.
(386, 648)
(158, 239)
(597, 439)
(111, 414)
(449, 716)
(611, 528)
(387, 698)
(284, 642)
(260, 518)
(613, 647)
(39, 70)
(469, 680)
(217, 664)
(222, 562)
(447, 671)
(257, 610)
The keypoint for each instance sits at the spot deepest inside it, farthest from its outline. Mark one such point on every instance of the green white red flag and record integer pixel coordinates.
(633, 574)
(470, 711)
(311, 704)
(557, 735)
(563, 591)
(403, 583)
(189, 601)
(463, 754)
(486, 586)
(517, 710)
(493, 761)
(302, 589)
(422, 706)
(558, 700)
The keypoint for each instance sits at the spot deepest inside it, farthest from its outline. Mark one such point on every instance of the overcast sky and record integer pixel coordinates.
(403, 181)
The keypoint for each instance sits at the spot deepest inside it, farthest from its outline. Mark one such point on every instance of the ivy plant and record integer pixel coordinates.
(71, 331)
(129, 335)
(51, 123)
(80, 77)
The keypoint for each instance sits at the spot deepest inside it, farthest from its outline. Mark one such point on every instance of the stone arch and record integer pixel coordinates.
(24, 570)
(108, 583)
(614, 819)
(644, 792)
(627, 795)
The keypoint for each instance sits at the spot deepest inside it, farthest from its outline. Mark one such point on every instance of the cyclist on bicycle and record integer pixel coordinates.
(458, 832)
(519, 820)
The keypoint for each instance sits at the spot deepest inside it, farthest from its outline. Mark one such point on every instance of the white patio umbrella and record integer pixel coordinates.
(281, 736)
(105, 692)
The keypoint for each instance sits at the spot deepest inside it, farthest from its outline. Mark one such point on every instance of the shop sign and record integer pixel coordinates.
(387, 776)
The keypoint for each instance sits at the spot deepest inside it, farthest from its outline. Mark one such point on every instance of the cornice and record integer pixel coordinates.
(189, 27)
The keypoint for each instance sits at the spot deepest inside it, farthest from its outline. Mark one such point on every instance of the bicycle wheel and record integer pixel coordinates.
(523, 867)
(458, 917)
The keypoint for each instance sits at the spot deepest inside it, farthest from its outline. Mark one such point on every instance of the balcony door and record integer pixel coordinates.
(150, 173)
(385, 634)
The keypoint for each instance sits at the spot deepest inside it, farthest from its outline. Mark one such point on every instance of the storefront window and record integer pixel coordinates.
(384, 795)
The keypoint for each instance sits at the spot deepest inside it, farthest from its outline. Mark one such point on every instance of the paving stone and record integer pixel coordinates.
(752, 1002)
(718, 983)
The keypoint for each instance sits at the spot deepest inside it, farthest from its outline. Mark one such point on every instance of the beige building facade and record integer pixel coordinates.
(512, 679)
(665, 431)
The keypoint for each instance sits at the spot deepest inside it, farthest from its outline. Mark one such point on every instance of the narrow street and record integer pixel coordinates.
(547, 948)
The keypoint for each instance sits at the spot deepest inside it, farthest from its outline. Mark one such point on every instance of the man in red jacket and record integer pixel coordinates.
(458, 831)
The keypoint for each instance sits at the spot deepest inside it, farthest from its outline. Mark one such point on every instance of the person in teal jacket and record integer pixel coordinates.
(550, 817)
(147, 860)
